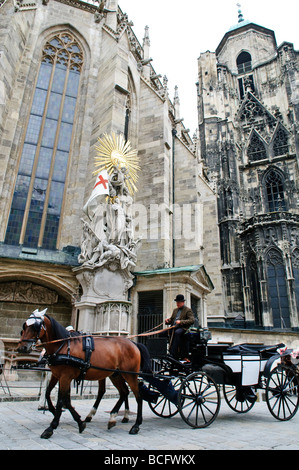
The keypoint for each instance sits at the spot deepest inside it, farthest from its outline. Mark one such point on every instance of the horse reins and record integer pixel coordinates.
(148, 333)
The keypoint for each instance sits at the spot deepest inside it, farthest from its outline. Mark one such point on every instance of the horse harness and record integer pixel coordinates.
(36, 320)
(57, 359)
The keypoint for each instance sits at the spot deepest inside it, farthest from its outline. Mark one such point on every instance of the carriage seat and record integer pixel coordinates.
(247, 349)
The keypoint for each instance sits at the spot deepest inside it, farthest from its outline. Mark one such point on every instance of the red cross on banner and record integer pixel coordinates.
(101, 187)
(101, 180)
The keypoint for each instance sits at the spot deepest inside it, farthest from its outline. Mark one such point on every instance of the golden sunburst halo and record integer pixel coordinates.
(114, 151)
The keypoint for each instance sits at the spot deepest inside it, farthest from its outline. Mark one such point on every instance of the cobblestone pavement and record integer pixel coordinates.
(21, 425)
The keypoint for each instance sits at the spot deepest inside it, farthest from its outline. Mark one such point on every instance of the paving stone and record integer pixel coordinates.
(21, 425)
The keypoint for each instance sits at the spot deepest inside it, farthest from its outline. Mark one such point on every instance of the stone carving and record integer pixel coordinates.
(27, 292)
(108, 235)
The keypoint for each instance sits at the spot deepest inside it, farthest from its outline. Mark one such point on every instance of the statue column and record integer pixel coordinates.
(108, 249)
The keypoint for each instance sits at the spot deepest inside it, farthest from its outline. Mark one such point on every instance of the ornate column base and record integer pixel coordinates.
(103, 307)
(106, 318)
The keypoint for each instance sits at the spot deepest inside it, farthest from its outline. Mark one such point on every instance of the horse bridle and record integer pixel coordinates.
(37, 324)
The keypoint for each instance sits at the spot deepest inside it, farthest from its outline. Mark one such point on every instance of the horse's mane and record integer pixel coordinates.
(59, 331)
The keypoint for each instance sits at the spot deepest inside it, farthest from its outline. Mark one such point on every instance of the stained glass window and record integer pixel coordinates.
(40, 184)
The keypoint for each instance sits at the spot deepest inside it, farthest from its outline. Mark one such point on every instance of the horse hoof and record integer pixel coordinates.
(125, 420)
(134, 430)
(82, 426)
(87, 419)
(47, 433)
(111, 424)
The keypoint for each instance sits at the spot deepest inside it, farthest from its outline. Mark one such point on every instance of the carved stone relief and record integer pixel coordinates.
(27, 292)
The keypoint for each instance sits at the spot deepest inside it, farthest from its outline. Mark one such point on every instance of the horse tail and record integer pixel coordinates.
(145, 365)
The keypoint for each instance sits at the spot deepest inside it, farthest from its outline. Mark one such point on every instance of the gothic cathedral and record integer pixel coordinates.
(216, 213)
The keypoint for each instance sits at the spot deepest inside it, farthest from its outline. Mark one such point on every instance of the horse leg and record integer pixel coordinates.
(75, 415)
(64, 400)
(55, 422)
(101, 392)
(121, 386)
(51, 385)
(133, 383)
(127, 410)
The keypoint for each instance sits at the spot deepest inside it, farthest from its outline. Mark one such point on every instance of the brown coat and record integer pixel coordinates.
(186, 317)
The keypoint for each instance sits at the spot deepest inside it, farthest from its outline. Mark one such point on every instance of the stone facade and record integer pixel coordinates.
(248, 124)
(217, 213)
(118, 91)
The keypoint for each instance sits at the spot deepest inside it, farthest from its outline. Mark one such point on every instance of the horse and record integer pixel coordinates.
(115, 357)
(117, 381)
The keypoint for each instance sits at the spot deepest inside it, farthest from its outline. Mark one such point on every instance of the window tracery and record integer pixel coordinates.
(256, 149)
(280, 142)
(274, 186)
(39, 191)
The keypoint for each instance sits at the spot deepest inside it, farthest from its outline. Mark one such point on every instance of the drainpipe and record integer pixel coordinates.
(174, 133)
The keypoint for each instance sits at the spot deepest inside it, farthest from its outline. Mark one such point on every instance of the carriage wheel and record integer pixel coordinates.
(199, 400)
(282, 393)
(232, 398)
(164, 407)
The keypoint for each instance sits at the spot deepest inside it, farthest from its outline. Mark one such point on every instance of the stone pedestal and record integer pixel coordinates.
(103, 307)
(107, 318)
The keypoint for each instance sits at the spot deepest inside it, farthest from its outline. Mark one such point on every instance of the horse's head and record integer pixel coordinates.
(33, 330)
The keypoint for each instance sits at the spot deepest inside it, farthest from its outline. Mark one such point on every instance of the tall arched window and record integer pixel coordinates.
(274, 190)
(39, 190)
(277, 290)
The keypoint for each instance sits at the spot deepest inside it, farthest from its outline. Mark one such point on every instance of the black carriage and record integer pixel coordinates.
(194, 388)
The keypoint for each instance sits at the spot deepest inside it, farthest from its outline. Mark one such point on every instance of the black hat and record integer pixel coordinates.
(179, 298)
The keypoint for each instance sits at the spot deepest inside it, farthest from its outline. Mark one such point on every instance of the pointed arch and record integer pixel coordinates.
(257, 148)
(252, 110)
(280, 141)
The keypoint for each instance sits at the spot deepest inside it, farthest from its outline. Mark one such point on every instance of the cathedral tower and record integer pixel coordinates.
(248, 124)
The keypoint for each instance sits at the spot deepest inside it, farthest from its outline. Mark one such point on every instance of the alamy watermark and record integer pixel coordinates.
(160, 221)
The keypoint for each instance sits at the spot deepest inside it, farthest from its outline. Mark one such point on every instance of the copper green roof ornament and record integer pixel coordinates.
(240, 14)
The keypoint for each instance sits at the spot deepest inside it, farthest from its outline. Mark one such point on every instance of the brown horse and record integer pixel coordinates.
(115, 357)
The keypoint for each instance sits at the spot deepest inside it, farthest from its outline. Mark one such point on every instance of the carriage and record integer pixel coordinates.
(236, 373)
(192, 388)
